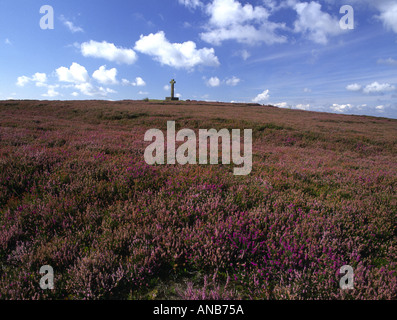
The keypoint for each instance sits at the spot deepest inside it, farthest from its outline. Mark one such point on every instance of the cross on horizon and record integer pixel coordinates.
(172, 88)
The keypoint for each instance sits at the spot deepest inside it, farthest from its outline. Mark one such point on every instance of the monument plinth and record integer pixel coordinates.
(172, 92)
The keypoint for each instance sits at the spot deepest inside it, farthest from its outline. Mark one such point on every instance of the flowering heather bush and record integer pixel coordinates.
(76, 194)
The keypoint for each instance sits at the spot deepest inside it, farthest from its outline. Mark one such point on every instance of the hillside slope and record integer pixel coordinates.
(76, 194)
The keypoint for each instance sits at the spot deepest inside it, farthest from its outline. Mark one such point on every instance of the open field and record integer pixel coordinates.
(76, 194)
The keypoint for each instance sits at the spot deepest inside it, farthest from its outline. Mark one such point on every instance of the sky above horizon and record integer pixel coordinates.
(288, 53)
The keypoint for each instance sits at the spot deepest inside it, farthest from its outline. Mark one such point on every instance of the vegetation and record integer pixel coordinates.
(76, 194)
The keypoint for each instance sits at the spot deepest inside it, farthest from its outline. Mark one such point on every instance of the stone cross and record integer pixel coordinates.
(172, 88)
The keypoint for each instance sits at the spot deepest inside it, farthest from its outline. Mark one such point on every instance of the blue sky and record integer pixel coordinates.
(289, 53)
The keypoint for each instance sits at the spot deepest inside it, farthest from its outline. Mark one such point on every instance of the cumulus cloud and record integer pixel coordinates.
(104, 76)
(39, 78)
(75, 77)
(89, 89)
(262, 97)
(216, 82)
(75, 74)
(315, 23)
(373, 88)
(230, 20)
(302, 107)
(70, 25)
(78, 76)
(341, 107)
(108, 51)
(388, 13)
(281, 105)
(378, 88)
(22, 81)
(125, 82)
(286, 105)
(234, 81)
(51, 93)
(177, 55)
(86, 88)
(249, 24)
(356, 109)
(213, 82)
(139, 82)
(354, 87)
(191, 4)
(224, 13)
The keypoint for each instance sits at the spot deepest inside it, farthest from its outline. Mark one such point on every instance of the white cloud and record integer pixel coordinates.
(86, 88)
(167, 87)
(191, 4)
(51, 92)
(307, 90)
(373, 88)
(39, 78)
(75, 74)
(281, 105)
(70, 25)
(341, 107)
(262, 97)
(108, 51)
(388, 14)
(271, 4)
(379, 88)
(216, 82)
(286, 105)
(224, 13)
(318, 25)
(302, 106)
(390, 61)
(230, 20)
(125, 82)
(139, 82)
(234, 81)
(7, 41)
(90, 90)
(104, 76)
(79, 79)
(354, 87)
(22, 81)
(177, 55)
(213, 82)
(245, 54)
(105, 91)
